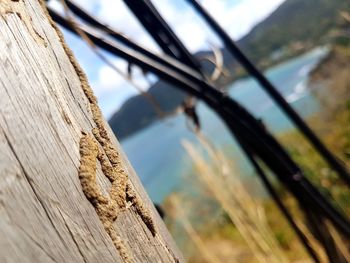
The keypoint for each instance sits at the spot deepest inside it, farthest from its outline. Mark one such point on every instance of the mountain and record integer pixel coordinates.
(294, 27)
(137, 112)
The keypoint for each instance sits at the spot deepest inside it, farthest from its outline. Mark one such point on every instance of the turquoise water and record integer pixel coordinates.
(160, 160)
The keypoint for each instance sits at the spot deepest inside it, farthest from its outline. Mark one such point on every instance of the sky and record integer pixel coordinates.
(236, 16)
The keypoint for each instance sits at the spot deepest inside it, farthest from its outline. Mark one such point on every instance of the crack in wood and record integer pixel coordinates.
(34, 189)
(34, 241)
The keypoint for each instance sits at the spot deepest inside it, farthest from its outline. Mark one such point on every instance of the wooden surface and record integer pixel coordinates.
(45, 215)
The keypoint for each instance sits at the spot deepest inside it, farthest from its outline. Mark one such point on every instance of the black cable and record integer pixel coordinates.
(319, 228)
(321, 232)
(161, 32)
(272, 91)
(288, 216)
(242, 122)
(273, 155)
(86, 17)
(283, 209)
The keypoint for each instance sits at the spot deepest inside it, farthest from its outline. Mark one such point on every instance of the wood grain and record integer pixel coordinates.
(44, 213)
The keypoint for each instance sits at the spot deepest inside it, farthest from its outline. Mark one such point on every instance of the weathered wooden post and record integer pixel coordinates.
(67, 192)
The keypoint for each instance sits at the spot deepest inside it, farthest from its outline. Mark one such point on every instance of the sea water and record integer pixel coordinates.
(160, 160)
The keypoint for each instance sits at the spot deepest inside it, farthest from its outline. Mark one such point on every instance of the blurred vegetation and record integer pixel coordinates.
(332, 81)
(211, 221)
(296, 26)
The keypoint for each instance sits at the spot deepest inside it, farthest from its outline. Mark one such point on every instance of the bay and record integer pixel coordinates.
(156, 152)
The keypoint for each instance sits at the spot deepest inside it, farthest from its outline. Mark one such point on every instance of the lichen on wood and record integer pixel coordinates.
(121, 189)
(106, 207)
(48, 214)
(140, 209)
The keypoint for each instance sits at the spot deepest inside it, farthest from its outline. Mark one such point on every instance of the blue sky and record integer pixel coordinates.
(236, 16)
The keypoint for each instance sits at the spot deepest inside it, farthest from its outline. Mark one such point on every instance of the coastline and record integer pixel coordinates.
(330, 82)
(333, 78)
(332, 123)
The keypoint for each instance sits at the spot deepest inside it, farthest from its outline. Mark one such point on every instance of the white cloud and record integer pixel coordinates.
(241, 18)
(56, 5)
(89, 5)
(184, 21)
(107, 79)
(236, 16)
(198, 37)
(112, 89)
(116, 14)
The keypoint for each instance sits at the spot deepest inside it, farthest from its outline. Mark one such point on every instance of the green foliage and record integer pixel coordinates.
(138, 112)
(332, 125)
(295, 26)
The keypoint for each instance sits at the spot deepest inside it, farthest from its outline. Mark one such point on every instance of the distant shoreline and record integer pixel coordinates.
(239, 78)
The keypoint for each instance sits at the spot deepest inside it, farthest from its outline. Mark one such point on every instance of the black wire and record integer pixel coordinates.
(288, 216)
(321, 232)
(318, 226)
(275, 95)
(85, 16)
(273, 193)
(241, 122)
(161, 32)
(273, 155)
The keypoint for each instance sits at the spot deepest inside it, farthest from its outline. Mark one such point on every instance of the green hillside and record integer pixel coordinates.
(293, 28)
(137, 112)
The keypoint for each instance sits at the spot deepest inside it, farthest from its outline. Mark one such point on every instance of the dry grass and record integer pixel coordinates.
(191, 232)
(339, 241)
(217, 175)
(246, 214)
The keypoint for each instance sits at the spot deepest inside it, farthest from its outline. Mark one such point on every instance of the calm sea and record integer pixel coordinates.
(156, 152)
